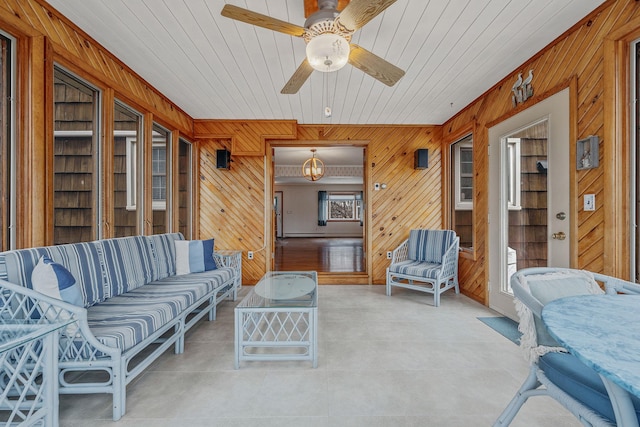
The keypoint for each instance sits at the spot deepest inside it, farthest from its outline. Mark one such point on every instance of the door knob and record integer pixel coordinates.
(559, 236)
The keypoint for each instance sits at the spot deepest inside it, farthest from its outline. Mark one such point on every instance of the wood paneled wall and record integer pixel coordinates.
(576, 59)
(235, 204)
(45, 37)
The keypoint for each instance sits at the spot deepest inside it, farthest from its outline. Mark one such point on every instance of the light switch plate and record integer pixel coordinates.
(589, 202)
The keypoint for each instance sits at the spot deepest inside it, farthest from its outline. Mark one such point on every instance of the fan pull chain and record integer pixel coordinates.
(325, 84)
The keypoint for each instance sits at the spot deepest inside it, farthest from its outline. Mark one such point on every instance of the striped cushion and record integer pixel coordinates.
(126, 320)
(128, 263)
(81, 259)
(3, 266)
(429, 245)
(213, 278)
(164, 250)
(428, 270)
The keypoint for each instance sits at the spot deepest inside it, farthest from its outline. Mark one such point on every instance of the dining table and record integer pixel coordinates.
(603, 332)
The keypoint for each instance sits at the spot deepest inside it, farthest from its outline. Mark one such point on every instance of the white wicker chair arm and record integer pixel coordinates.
(401, 253)
(613, 285)
(18, 302)
(450, 258)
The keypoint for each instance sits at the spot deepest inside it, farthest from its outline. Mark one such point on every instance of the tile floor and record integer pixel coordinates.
(383, 361)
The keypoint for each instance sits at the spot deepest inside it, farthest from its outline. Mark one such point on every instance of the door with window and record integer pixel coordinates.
(529, 195)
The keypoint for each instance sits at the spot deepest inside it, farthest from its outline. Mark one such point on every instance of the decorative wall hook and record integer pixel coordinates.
(522, 89)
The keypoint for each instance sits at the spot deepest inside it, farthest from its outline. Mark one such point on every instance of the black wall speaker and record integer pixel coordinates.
(421, 158)
(223, 159)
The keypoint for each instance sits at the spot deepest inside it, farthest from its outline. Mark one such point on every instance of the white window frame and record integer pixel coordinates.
(461, 205)
(514, 187)
(349, 196)
(11, 145)
(132, 173)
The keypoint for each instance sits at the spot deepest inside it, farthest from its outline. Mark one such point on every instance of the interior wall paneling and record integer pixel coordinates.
(580, 55)
(233, 203)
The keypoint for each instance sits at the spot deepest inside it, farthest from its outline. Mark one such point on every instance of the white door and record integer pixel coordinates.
(278, 209)
(529, 203)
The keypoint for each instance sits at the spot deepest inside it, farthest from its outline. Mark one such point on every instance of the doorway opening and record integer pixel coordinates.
(319, 225)
(529, 209)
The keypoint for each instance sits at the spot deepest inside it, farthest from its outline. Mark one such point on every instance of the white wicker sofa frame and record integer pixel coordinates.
(133, 301)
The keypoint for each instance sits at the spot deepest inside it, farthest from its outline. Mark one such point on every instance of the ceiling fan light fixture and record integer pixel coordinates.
(328, 52)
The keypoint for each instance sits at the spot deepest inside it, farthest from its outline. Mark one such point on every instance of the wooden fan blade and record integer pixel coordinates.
(264, 21)
(375, 66)
(297, 80)
(359, 12)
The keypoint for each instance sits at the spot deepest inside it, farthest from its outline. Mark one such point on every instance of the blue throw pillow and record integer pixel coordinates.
(194, 256)
(54, 280)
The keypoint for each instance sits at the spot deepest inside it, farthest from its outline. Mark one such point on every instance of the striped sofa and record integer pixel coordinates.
(134, 306)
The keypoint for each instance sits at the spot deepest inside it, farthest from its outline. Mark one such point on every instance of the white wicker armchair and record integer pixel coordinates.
(427, 261)
(553, 371)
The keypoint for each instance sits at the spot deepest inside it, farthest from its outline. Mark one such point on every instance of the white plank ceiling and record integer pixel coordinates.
(217, 68)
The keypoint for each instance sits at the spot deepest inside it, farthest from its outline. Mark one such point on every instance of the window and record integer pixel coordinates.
(158, 173)
(344, 206)
(184, 188)
(7, 163)
(160, 186)
(150, 178)
(127, 129)
(76, 159)
(513, 173)
(463, 173)
(461, 205)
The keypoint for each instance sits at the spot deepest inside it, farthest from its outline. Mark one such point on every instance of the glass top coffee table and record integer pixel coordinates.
(278, 319)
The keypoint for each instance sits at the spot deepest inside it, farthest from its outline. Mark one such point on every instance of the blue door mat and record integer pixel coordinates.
(504, 326)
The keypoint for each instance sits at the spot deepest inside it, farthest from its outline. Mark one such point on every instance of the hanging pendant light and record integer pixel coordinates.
(313, 168)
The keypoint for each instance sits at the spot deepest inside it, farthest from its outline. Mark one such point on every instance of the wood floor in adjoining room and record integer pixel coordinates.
(324, 255)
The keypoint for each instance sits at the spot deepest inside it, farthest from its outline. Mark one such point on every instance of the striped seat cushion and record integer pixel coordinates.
(428, 270)
(81, 259)
(429, 245)
(213, 278)
(126, 320)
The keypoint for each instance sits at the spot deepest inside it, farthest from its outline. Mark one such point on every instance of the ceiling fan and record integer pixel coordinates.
(327, 33)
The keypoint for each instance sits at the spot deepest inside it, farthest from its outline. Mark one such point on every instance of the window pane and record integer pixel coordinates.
(159, 182)
(184, 188)
(462, 190)
(75, 155)
(127, 129)
(6, 123)
(343, 207)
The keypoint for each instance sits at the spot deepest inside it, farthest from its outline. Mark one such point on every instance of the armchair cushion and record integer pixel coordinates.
(427, 270)
(580, 382)
(429, 245)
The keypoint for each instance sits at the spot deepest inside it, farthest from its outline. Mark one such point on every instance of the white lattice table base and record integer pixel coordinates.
(278, 319)
(28, 380)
